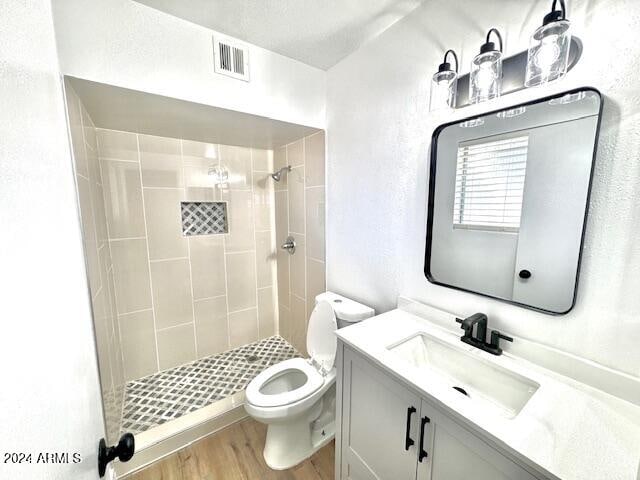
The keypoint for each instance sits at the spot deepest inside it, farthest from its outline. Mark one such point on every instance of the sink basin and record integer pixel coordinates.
(489, 385)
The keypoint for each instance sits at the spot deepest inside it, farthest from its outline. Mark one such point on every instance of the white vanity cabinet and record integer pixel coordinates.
(388, 432)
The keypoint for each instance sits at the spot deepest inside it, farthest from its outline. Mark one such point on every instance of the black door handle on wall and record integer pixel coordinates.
(408, 441)
(423, 453)
(524, 274)
(123, 451)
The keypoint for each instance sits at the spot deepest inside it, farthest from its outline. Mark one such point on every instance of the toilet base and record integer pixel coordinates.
(289, 444)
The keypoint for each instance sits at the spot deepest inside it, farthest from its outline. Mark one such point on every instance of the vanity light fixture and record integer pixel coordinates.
(548, 55)
(444, 85)
(486, 71)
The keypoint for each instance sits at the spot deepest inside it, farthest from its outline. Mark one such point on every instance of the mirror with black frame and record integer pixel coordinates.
(508, 198)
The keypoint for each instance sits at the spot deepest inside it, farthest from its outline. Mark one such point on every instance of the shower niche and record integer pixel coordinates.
(182, 220)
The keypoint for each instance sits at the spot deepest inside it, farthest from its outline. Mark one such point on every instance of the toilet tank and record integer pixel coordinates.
(347, 311)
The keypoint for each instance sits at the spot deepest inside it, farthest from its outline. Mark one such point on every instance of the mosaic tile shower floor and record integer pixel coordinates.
(167, 395)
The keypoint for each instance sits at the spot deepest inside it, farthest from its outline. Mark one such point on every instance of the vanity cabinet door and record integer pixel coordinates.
(379, 426)
(454, 453)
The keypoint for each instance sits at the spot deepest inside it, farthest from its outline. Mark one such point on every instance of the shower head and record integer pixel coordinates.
(277, 176)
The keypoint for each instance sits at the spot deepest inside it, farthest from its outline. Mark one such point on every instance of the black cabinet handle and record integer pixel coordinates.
(423, 453)
(408, 441)
(524, 274)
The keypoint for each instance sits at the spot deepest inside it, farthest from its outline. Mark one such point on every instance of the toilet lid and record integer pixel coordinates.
(321, 338)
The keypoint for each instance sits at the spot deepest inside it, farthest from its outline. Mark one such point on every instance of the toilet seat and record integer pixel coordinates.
(321, 345)
(314, 381)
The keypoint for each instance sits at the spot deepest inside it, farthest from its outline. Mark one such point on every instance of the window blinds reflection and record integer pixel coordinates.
(490, 184)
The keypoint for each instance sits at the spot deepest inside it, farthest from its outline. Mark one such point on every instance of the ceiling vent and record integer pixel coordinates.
(231, 59)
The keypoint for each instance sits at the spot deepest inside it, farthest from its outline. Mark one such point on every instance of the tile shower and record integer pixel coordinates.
(180, 243)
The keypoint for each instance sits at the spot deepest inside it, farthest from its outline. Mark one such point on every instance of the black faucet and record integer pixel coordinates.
(479, 340)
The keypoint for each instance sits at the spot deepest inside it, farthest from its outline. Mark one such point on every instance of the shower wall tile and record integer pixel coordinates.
(315, 208)
(314, 159)
(207, 266)
(284, 295)
(295, 153)
(93, 164)
(241, 280)
(199, 151)
(131, 275)
(316, 283)
(279, 161)
(117, 366)
(171, 284)
(266, 313)
(240, 212)
(298, 325)
(282, 216)
(99, 262)
(97, 203)
(212, 328)
(237, 160)
(300, 212)
(123, 198)
(176, 345)
(284, 321)
(262, 160)
(138, 344)
(296, 200)
(88, 129)
(198, 183)
(89, 233)
(243, 327)
(117, 145)
(100, 322)
(192, 280)
(161, 161)
(104, 259)
(297, 266)
(77, 135)
(262, 200)
(164, 225)
(265, 259)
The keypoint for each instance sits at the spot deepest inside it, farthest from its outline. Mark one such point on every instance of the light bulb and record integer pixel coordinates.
(548, 56)
(486, 71)
(547, 53)
(485, 76)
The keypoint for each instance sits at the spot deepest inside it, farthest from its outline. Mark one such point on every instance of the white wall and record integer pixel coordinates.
(379, 131)
(127, 44)
(50, 399)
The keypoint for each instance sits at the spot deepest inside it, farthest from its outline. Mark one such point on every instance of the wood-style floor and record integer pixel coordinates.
(235, 453)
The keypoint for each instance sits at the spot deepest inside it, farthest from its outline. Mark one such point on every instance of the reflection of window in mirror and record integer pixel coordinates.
(489, 187)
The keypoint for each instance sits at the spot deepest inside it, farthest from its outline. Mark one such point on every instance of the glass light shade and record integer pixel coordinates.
(548, 55)
(486, 76)
(444, 86)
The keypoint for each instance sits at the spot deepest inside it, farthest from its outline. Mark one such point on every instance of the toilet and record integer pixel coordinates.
(296, 398)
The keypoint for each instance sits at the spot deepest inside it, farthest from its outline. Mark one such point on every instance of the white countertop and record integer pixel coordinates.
(567, 430)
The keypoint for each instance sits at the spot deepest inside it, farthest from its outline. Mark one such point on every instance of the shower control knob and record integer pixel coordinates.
(524, 274)
(123, 451)
(289, 245)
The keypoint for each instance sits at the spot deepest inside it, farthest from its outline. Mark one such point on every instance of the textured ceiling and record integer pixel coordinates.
(316, 32)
